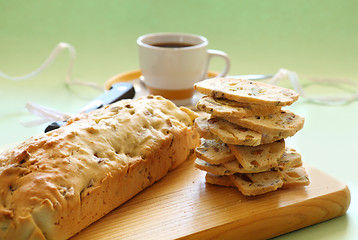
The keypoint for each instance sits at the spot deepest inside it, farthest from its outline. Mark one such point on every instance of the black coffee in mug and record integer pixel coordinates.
(172, 45)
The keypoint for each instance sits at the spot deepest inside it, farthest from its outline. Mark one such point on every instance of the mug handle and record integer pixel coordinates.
(217, 53)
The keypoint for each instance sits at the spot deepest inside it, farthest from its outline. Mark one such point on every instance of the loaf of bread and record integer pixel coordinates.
(54, 185)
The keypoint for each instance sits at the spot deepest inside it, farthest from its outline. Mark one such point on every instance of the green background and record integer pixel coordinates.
(313, 38)
(309, 36)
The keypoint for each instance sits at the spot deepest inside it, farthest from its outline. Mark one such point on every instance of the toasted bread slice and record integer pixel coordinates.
(294, 177)
(233, 134)
(259, 158)
(211, 168)
(290, 158)
(220, 180)
(235, 166)
(202, 126)
(246, 91)
(227, 168)
(283, 123)
(251, 184)
(228, 108)
(214, 151)
(260, 183)
(227, 132)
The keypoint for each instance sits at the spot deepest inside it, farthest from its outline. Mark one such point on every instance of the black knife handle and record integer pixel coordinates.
(54, 125)
(118, 91)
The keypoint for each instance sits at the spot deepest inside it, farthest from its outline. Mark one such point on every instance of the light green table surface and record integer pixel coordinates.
(313, 38)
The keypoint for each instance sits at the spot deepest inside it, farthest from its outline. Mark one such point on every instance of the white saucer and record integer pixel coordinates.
(141, 90)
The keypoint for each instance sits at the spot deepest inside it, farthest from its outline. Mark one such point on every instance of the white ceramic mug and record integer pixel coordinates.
(171, 63)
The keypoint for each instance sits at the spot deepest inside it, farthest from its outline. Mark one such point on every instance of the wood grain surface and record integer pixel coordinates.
(182, 205)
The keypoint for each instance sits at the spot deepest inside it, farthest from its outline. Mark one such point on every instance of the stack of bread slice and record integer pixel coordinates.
(243, 132)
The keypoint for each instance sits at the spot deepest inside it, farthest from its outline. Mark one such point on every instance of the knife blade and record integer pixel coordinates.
(118, 91)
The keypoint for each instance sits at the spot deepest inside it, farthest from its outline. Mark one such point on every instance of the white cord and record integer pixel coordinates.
(46, 114)
(68, 80)
(283, 74)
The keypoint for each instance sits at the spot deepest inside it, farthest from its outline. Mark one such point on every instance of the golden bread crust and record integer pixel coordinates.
(54, 185)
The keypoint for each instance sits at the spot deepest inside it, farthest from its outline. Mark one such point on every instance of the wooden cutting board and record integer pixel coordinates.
(182, 205)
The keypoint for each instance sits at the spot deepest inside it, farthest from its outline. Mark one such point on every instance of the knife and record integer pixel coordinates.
(118, 91)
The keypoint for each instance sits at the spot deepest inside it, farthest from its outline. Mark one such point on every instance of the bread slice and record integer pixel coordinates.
(227, 168)
(214, 152)
(290, 158)
(212, 168)
(228, 108)
(283, 123)
(236, 167)
(227, 132)
(55, 184)
(259, 158)
(202, 126)
(246, 91)
(233, 134)
(220, 180)
(295, 177)
(251, 184)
